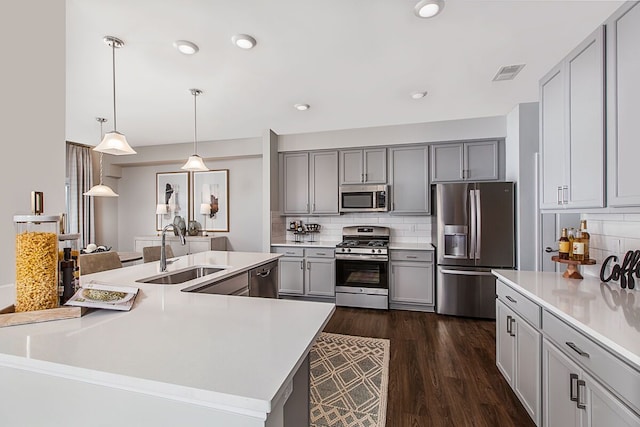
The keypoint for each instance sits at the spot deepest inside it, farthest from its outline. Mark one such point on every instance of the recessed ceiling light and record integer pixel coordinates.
(428, 8)
(418, 95)
(301, 107)
(186, 47)
(243, 41)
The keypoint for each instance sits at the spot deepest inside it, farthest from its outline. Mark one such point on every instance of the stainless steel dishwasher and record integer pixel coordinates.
(263, 281)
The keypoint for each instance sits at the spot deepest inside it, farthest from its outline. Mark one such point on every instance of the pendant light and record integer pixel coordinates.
(114, 142)
(100, 190)
(194, 162)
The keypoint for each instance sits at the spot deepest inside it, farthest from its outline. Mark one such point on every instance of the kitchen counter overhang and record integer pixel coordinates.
(231, 353)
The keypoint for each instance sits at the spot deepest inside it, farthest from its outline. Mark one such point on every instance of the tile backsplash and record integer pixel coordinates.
(404, 229)
(611, 234)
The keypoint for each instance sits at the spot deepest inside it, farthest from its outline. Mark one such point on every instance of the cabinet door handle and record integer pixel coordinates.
(577, 349)
(579, 403)
(565, 194)
(361, 177)
(513, 333)
(573, 394)
(308, 265)
(509, 325)
(301, 265)
(559, 195)
(511, 299)
(366, 177)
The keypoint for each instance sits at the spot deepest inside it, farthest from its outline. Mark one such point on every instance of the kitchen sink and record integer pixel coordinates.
(181, 276)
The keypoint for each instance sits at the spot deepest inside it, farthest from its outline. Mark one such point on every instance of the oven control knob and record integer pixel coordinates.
(373, 251)
(379, 251)
(349, 250)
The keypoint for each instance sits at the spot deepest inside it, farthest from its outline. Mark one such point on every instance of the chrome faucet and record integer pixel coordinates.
(163, 250)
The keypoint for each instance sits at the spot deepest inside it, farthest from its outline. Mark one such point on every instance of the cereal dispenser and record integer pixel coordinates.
(36, 261)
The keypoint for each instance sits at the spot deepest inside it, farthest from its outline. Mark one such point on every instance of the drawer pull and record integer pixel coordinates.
(290, 253)
(511, 299)
(579, 403)
(573, 394)
(575, 348)
(321, 253)
(412, 257)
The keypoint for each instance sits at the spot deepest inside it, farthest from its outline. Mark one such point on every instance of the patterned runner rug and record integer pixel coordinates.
(349, 380)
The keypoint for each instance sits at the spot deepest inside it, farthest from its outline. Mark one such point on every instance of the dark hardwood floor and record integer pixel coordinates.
(442, 369)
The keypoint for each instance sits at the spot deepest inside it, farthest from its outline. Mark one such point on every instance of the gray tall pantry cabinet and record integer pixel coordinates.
(572, 128)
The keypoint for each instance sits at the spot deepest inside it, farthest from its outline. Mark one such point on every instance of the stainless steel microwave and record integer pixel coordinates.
(364, 198)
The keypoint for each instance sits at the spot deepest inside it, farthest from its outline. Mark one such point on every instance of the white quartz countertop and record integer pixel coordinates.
(227, 352)
(603, 311)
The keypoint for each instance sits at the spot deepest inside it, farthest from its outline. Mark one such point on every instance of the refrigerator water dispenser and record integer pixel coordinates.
(455, 241)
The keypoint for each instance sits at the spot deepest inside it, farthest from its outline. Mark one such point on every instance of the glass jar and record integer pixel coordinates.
(36, 262)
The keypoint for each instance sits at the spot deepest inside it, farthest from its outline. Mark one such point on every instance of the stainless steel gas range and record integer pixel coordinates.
(362, 267)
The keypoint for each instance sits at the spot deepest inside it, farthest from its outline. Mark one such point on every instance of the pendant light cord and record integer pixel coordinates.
(113, 62)
(195, 123)
(101, 154)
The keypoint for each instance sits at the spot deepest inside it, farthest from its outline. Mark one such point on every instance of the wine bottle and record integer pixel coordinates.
(571, 236)
(585, 238)
(563, 244)
(578, 247)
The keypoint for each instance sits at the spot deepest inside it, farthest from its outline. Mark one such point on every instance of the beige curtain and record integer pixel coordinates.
(80, 179)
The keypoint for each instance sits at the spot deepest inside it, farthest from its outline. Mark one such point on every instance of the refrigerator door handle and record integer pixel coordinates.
(479, 224)
(472, 220)
(466, 272)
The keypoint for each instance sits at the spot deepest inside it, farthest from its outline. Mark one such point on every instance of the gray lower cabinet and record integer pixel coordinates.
(409, 179)
(465, 161)
(518, 357)
(623, 104)
(411, 282)
(307, 272)
(367, 165)
(310, 182)
(575, 398)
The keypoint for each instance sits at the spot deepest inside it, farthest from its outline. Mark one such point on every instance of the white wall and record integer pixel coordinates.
(32, 107)
(137, 202)
(451, 130)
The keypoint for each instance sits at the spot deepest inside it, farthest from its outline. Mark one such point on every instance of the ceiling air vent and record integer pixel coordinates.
(508, 72)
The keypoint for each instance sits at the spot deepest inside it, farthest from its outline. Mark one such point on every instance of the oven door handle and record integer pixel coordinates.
(362, 257)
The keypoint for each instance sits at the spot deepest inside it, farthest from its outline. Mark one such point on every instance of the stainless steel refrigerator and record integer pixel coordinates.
(474, 233)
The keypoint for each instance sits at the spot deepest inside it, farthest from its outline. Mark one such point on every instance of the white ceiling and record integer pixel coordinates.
(356, 62)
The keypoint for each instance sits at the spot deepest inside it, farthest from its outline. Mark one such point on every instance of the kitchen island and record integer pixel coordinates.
(176, 358)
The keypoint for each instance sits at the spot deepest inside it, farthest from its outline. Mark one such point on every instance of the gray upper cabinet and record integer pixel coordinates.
(409, 179)
(296, 183)
(363, 166)
(572, 129)
(324, 182)
(311, 183)
(623, 106)
(465, 161)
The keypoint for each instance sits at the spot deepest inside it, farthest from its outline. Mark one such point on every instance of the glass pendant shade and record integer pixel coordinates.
(195, 163)
(100, 190)
(114, 143)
